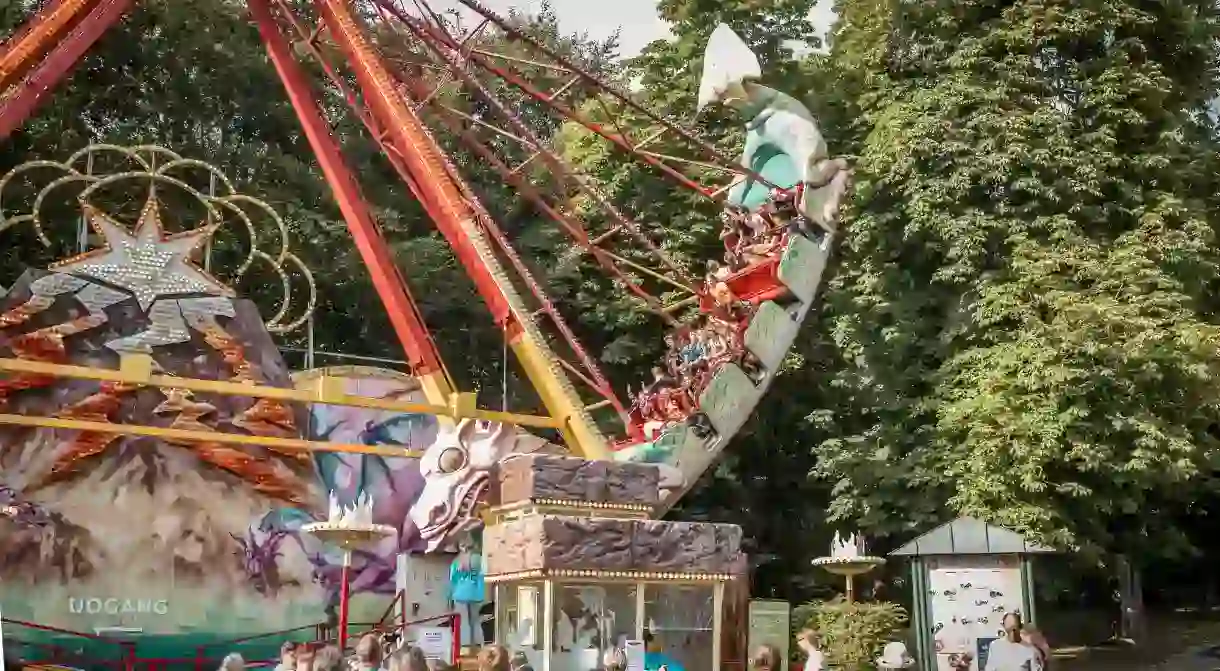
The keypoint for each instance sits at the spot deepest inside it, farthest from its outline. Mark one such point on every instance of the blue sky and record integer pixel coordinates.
(637, 18)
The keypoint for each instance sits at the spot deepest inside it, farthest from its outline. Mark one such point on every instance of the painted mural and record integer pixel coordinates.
(136, 533)
(394, 484)
(149, 537)
(139, 533)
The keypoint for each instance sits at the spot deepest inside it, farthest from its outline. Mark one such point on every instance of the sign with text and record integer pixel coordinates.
(435, 642)
(771, 624)
(96, 605)
(424, 582)
(634, 650)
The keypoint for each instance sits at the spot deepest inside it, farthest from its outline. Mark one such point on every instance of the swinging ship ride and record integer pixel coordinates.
(162, 468)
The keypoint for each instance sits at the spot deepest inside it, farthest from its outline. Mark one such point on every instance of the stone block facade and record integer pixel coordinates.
(557, 477)
(567, 542)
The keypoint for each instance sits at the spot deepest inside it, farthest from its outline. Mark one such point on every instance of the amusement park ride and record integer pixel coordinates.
(732, 324)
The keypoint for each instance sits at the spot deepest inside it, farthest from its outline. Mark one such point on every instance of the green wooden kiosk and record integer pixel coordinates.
(965, 575)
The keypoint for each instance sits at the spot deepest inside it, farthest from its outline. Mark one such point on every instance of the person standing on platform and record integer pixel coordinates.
(466, 590)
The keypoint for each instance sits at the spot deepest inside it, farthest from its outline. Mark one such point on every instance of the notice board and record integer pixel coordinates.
(771, 624)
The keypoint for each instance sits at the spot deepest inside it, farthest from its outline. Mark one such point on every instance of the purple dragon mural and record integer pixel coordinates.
(393, 483)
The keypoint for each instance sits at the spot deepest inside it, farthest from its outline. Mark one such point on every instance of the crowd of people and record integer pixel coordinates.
(1020, 649)
(369, 655)
(693, 354)
(755, 237)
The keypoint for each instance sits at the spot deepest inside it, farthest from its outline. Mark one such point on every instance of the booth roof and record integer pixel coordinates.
(968, 536)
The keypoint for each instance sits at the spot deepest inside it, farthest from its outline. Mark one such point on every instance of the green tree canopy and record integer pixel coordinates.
(1025, 296)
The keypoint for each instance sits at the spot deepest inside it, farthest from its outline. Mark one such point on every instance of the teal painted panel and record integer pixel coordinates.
(729, 399)
(770, 334)
(180, 652)
(967, 535)
(801, 266)
(776, 167)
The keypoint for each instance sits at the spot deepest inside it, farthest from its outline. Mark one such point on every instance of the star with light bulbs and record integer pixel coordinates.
(145, 261)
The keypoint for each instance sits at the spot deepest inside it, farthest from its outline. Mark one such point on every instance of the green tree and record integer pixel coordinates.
(1025, 296)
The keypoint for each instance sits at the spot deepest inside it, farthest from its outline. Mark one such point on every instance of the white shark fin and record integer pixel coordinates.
(726, 61)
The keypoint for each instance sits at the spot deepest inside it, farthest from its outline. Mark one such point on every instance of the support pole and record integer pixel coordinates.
(344, 595)
(425, 161)
(391, 287)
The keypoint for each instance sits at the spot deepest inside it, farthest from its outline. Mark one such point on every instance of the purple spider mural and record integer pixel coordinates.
(23, 513)
(260, 559)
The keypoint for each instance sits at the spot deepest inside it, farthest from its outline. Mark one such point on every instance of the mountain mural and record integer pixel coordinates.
(133, 528)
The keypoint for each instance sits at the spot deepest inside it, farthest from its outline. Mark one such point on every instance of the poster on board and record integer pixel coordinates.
(770, 623)
(969, 596)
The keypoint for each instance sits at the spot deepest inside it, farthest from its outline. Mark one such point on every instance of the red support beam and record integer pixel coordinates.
(58, 63)
(391, 287)
(305, 36)
(430, 37)
(419, 153)
(42, 31)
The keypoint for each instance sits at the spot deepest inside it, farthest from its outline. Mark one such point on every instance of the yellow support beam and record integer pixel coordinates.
(137, 370)
(185, 435)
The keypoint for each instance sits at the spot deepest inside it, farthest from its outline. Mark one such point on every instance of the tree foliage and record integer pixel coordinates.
(766, 469)
(851, 634)
(1025, 292)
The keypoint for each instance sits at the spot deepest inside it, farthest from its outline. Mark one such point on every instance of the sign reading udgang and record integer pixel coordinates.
(116, 606)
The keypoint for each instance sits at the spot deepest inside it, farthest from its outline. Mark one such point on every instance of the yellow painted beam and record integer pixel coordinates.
(184, 435)
(327, 390)
(579, 431)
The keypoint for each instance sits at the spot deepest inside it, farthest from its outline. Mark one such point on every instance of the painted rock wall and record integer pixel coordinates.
(135, 532)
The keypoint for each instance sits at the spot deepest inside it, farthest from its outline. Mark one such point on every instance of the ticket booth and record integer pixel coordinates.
(574, 578)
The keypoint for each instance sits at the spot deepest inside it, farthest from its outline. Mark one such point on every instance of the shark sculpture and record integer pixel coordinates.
(784, 144)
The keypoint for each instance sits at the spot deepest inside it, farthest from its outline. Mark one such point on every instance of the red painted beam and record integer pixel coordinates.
(64, 56)
(404, 315)
(31, 42)
(420, 155)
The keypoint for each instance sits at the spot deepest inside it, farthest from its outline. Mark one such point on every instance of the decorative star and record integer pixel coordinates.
(146, 262)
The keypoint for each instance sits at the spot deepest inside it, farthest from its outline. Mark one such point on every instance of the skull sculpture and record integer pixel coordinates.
(457, 471)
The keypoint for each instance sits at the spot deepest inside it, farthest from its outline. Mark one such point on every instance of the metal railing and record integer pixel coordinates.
(90, 652)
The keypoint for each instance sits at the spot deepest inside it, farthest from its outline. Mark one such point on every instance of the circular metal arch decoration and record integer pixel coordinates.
(229, 216)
